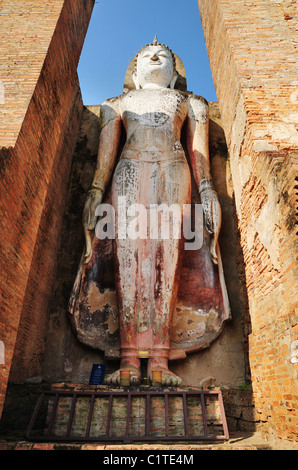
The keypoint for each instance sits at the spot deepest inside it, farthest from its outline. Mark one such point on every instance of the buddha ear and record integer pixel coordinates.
(135, 80)
(174, 80)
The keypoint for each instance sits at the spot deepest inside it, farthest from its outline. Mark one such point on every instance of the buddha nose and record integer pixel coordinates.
(154, 57)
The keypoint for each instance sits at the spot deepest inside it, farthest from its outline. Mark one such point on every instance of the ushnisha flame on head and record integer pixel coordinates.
(156, 43)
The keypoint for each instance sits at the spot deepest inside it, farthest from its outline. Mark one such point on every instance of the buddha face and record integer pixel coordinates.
(155, 68)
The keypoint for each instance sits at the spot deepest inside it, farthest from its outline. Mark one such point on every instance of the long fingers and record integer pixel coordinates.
(88, 252)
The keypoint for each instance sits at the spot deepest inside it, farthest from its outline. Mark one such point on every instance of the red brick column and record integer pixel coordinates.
(252, 47)
(40, 45)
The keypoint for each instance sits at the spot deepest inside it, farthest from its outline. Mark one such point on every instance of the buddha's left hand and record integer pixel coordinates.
(94, 198)
(212, 213)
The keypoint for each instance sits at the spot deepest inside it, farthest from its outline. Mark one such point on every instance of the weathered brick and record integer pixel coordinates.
(40, 45)
(253, 57)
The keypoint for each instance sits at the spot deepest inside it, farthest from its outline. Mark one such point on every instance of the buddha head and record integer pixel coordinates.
(155, 67)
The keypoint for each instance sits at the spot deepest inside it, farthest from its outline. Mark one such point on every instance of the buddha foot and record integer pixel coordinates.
(134, 379)
(167, 377)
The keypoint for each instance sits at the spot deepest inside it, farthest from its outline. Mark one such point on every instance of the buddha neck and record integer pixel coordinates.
(154, 86)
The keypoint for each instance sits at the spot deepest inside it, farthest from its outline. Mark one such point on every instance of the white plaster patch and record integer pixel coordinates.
(264, 146)
(238, 129)
(201, 312)
(245, 169)
(2, 93)
(284, 132)
(260, 133)
(294, 352)
(267, 223)
(292, 118)
(294, 97)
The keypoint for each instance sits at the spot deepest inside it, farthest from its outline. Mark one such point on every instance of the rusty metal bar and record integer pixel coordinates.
(35, 413)
(91, 407)
(109, 415)
(204, 414)
(147, 416)
(71, 415)
(166, 414)
(53, 413)
(185, 415)
(128, 417)
(223, 416)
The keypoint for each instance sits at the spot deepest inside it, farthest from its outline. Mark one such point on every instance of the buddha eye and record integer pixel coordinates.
(165, 55)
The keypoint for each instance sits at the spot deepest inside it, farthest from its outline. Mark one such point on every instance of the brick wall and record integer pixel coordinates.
(40, 44)
(253, 57)
(25, 33)
(33, 326)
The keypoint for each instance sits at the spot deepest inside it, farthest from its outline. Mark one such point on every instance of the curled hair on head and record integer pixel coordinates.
(156, 43)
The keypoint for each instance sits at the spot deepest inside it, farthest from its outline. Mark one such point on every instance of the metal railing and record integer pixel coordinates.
(49, 400)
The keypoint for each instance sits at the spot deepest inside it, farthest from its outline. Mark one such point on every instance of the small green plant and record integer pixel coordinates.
(245, 386)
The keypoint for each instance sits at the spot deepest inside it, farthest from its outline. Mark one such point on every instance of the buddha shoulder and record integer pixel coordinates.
(109, 110)
(198, 108)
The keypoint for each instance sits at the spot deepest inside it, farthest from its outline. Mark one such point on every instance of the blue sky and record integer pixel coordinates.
(119, 28)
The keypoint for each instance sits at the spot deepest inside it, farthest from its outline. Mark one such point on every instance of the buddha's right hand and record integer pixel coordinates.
(94, 198)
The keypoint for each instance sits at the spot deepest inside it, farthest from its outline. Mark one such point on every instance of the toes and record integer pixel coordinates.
(176, 381)
(171, 380)
(114, 379)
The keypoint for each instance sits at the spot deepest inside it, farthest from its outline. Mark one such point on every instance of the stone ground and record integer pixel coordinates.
(237, 441)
